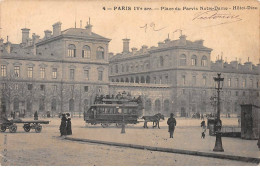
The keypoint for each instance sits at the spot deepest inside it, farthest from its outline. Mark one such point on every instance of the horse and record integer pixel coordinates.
(155, 119)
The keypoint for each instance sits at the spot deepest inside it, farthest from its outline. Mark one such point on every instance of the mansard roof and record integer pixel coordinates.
(79, 32)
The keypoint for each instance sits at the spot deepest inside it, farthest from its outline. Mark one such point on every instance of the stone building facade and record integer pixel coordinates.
(185, 69)
(61, 72)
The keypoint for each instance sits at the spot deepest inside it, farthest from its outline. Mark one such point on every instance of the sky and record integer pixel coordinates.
(236, 36)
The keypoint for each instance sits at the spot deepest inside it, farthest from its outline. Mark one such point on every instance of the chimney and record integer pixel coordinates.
(35, 38)
(134, 50)
(25, 35)
(199, 42)
(234, 64)
(89, 27)
(126, 45)
(56, 29)
(110, 55)
(47, 34)
(144, 48)
(183, 39)
(160, 44)
(1, 41)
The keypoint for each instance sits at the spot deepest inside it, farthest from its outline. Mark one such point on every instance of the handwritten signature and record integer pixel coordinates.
(215, 15)
(151, 25)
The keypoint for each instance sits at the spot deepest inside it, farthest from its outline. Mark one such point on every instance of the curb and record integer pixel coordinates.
(170, 150)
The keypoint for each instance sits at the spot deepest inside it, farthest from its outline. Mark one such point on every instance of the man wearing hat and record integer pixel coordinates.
(172, 123)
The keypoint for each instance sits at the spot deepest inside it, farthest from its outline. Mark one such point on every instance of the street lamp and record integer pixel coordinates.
(218, 144)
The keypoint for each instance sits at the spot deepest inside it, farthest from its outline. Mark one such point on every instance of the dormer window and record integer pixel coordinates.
(72, 51)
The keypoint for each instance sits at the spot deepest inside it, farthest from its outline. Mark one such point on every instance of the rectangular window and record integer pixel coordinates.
(166, 79)
(17, 71)
(54, 73)
(86, 88)
(229, 82)
(54, 87)
(29, 72)
(204, 80)
(71, 87)
(193, 80)
(30, 86)
(237, 82)
(193, 62)
(100, 75)
(251, 82)
(16, 86)
(86, 74)
(244, 83)
(237, 93)
(160, 81)
(72, 73)
(42, 87)
(42, 73)
(183, 80)
(3, 70)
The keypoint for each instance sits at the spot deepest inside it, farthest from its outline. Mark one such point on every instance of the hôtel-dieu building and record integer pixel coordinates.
(64, 71)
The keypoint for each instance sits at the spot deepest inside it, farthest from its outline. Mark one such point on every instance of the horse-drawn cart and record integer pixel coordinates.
(28, 125)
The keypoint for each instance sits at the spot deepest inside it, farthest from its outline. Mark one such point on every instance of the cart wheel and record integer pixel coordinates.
(27, 127)
(13, 128)
(38, 128)
(3, 128)
(104, 125)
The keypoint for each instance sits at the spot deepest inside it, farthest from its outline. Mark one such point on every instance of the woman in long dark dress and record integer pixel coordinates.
(63, 125)
(69, 131)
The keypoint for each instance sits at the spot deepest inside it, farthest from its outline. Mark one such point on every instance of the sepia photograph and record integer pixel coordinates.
(129, 83)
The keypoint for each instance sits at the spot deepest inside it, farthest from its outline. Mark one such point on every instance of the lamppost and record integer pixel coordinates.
(218, 85)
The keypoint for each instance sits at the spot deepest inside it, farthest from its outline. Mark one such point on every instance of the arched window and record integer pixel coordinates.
(71, 50)
(86, 52)
(100, 53)
(148, 79)
(142, 80)
(117, 80)
(53, 105)
(127, 68)
(148, 105)
(183, 60)
(193, 60)
(161, 61)
(157, 105)
(71, 105)
(204, 61)
(123, 68)
(127, 80)
(132, 80)
(122, 80)
(166, 105)
(116, 67)
(16, 104)
(136, 79)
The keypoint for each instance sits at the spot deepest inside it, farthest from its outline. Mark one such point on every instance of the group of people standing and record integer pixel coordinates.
(65, 126)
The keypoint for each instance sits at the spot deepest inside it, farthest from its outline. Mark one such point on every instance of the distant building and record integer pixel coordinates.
(177, 76)
(61, 72)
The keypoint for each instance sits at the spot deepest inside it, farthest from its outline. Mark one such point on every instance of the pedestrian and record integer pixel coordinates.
(63, 125)
(203, 126)
(35, 115)
(69, 131)
(171, 123)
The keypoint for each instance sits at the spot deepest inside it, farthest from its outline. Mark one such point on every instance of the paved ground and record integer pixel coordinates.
(47, 148)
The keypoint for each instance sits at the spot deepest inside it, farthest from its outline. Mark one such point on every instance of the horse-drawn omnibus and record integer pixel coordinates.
(107, 111)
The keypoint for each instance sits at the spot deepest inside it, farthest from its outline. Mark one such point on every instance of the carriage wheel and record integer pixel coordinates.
(3, 128)
(13, 128)
(38, 128)
(27, 127)
(104, 125)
